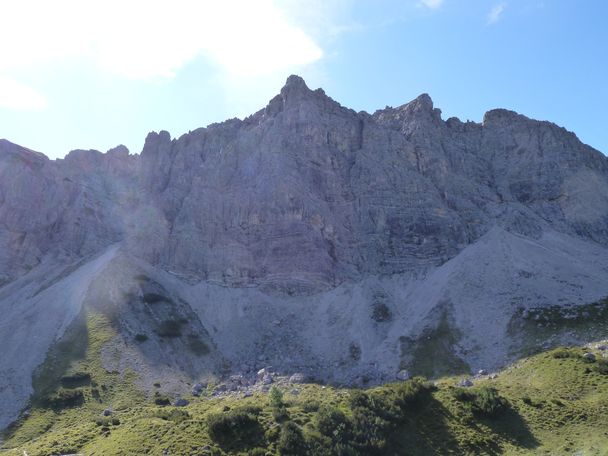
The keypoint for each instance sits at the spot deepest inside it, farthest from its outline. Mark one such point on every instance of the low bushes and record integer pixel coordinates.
(141, 338)
(484, 401)
(169, 329)
(64, 398)
(291, 440)
(161, 399)
(173, 415)
(236, 429)
(75, 380)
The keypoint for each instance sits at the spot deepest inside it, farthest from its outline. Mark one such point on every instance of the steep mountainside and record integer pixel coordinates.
(344, 245)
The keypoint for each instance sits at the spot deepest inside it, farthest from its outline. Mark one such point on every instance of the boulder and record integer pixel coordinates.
(465, 383)
(589, 357)
(297, 377)
(403, 375)
(197, 389)
(181, 403)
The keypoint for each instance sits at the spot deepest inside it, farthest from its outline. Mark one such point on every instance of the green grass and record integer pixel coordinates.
(553, 403)
(533, 328)
(433, 352)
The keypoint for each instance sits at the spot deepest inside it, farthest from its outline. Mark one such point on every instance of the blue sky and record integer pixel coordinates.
(95, 74)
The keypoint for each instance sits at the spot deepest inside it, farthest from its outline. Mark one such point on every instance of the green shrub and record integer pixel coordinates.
(280, 414)
(257, 452)
(562, 353)
(332, 422)
(602, 366)
(64, 398)
(355, 351)
(311, 406)
(169, 329)
(235, 429)
(463, 395)
(161, 399)
(173, 415)
(381, 312)
(275, 397)
(76, 379)
(484, 401)
(152, 298)
(197, 346)
(141, 337)
(291, 440)
(488, 402)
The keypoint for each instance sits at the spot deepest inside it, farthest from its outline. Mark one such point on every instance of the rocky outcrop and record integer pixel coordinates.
(305, 193)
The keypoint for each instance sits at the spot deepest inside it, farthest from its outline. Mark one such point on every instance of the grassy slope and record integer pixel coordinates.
(556, 406)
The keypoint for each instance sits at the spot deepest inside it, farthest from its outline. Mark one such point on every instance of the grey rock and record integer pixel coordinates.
(197, 389)
(589, 356)
(403, 375)
(465, 383)
(181, 403)
(297, 377)
(265, 371)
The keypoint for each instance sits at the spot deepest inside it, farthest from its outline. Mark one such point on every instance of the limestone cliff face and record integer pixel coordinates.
(309, 237)
(305, 193)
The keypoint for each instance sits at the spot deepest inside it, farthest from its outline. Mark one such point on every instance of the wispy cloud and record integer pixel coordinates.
(18, 96)
(495, 13)
(149, 39)
(432, 4)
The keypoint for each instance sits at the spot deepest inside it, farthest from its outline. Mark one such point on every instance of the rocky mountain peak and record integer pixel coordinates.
(307, 229)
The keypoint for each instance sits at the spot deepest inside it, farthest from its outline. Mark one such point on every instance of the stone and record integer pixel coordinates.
(107, 412)
(465, 383)
(297, 377)
(403, 375)
(267, 379)
(197, 389)
(589, 357)
(181, 403)
(263, 372)
(482, 372)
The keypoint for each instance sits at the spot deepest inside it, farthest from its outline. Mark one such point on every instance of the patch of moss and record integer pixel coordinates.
(197, 346)
(153, 298)
(532, 328)
(170, 328)
(433, 353)
(543, 405)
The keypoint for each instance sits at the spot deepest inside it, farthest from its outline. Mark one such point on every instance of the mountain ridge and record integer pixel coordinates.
(345, 245)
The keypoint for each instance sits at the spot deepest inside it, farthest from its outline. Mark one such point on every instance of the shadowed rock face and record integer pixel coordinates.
(309, 237)
(305, 193)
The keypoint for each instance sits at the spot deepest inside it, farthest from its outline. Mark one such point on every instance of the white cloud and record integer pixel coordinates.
(495, 13)
(433, 4)
(154, 38)
(18, 96)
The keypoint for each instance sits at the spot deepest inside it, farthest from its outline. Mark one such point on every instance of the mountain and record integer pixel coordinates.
(347, 246)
